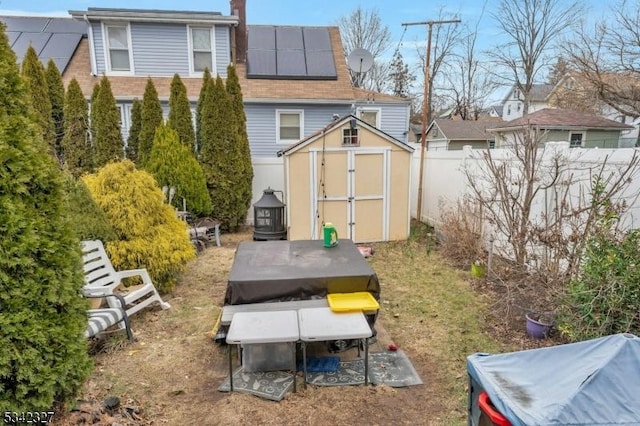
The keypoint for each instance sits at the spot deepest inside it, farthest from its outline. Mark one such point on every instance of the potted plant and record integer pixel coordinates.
(478, 269)
(539, 324)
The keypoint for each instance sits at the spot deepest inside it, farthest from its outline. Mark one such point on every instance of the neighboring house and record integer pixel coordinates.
(294, 79)
(575, 91)
(452, 135)
(495, 111)
(580, 129)
(513, 105)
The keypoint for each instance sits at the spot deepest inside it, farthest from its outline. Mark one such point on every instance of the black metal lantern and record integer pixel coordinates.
(268, 214)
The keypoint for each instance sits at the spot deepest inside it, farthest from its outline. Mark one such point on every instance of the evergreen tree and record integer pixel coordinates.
(56, 97)
(173, 165)
(245, 167)
(559, 70)
(401, 77)
(107, 140)
(42, 315)
(92, 115)
(134, 131)
(76, 144)
(206, 82)
(218, 132)
(180, 118)
(38, 95)
(151, 118)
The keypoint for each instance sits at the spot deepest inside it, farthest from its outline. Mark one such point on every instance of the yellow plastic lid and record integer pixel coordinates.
(347, 302)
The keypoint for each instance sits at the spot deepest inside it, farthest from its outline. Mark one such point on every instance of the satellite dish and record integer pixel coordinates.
(360, 60)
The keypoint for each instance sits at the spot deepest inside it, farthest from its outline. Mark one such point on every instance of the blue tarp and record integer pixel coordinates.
(596, 382)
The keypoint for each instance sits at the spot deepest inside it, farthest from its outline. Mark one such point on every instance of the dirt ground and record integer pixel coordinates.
(171, 373)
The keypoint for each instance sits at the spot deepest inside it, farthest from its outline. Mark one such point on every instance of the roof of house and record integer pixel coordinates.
(154, 15)
(253, 90)
(464, 129)
(539, 92)
(336, 124)
(549, 118)
(52, 38)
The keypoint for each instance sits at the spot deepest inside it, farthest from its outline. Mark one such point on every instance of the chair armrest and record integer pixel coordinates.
(142, 273)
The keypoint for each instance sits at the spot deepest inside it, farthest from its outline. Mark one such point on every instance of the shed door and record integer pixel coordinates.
(349, 190)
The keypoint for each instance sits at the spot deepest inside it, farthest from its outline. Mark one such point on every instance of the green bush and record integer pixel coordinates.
(55, 88)
(76, 143)
(150, 235)
(42, 315)
(150, 119)
(173, 165)
(134, 131)
(106, 137)
(180, 118)
(88, 220)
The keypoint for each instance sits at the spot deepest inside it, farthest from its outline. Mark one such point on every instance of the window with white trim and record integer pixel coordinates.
(370, 116)
(350, 136)
(289, 125)
(201, 44)
(118, 40)
(575, 140)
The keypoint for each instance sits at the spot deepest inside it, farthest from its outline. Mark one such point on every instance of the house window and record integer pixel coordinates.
(350, 136)
(508, 109)
(575, 140)
(519, 106)
(492, 144)
(370, 116)
(201, 51)
(516, 94)
(435, 132)
(118, 48)
(289, 126)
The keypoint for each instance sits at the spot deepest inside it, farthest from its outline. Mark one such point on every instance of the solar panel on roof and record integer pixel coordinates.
(262, 38)
(261, 63)
(320, 64)
(316, 39)
(61, 48)
(13, 36)
(37, 40)
(291, 63)
(65, 25)
(25, 24)
(289, 38)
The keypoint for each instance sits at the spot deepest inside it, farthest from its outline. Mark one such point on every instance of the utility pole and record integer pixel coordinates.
(426, 102)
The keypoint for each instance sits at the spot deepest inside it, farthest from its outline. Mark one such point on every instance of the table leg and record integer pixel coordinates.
(230, 369)
(366, 361)
(304, 364)
(295, 367)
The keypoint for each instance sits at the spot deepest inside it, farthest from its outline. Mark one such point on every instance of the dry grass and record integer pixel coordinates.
(173, 370)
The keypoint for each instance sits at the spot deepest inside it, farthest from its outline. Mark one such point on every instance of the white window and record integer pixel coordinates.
(370, 116)
(575, 140)
(516, 94)
(201, 50)
(350, 136)
(289, 125)
(118, 49)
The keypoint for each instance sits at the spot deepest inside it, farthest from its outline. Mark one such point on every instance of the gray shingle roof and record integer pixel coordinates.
(465, 130)
(562, 118)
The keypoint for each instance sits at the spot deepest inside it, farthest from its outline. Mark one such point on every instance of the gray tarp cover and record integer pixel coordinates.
(278, 271)
(596, 382)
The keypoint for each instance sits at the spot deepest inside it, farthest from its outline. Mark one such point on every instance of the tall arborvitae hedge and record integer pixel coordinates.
(38, 97)
(150, 234)
(43, 355)
(217, 155)
(92, 112)
(206, 81)
(76, 143)
(244, 172)
(107, 139)
(56, 97)
(151, 118)
(134, 131)
(173, 165)
(180, 118)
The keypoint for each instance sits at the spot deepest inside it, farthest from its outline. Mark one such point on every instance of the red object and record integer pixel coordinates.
(487, 408)
(393, 347)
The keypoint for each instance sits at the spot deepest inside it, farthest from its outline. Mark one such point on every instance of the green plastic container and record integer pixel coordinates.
(330, 235)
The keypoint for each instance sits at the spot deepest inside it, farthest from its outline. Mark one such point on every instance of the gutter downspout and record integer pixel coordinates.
(92, 53)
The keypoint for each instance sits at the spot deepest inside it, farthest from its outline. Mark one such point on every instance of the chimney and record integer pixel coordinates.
(239, 9)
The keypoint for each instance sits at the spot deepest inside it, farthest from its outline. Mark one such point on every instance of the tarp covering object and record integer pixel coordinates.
(280, 271)
(595, 382)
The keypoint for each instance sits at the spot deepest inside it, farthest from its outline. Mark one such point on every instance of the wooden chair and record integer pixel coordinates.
(101, 277)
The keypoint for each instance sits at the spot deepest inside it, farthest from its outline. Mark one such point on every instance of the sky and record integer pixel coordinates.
(325, 12)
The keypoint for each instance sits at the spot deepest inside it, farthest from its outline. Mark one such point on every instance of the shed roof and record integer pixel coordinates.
(465, 130)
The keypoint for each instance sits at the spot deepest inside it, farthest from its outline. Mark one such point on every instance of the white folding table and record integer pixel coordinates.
(263, 327)
(322, 324)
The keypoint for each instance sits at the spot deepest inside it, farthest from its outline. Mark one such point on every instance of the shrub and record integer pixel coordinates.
(105, 116)
(42, 315)
(55, 89)
(151, 118)
(180, 113)
(150, 235)
(134, 131)
(88, 220)
(460, 234)
(173, 165)
(76, 144)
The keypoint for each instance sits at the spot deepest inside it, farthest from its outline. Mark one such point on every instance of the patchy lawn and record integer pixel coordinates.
(170, 375)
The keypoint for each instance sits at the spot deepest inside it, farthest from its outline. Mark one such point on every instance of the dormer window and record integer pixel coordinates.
(118, 49)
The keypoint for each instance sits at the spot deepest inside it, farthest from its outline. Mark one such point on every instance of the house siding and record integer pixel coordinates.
(163, 49)
(261, 122)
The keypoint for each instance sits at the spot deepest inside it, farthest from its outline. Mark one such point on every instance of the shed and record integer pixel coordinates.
(352, 175)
